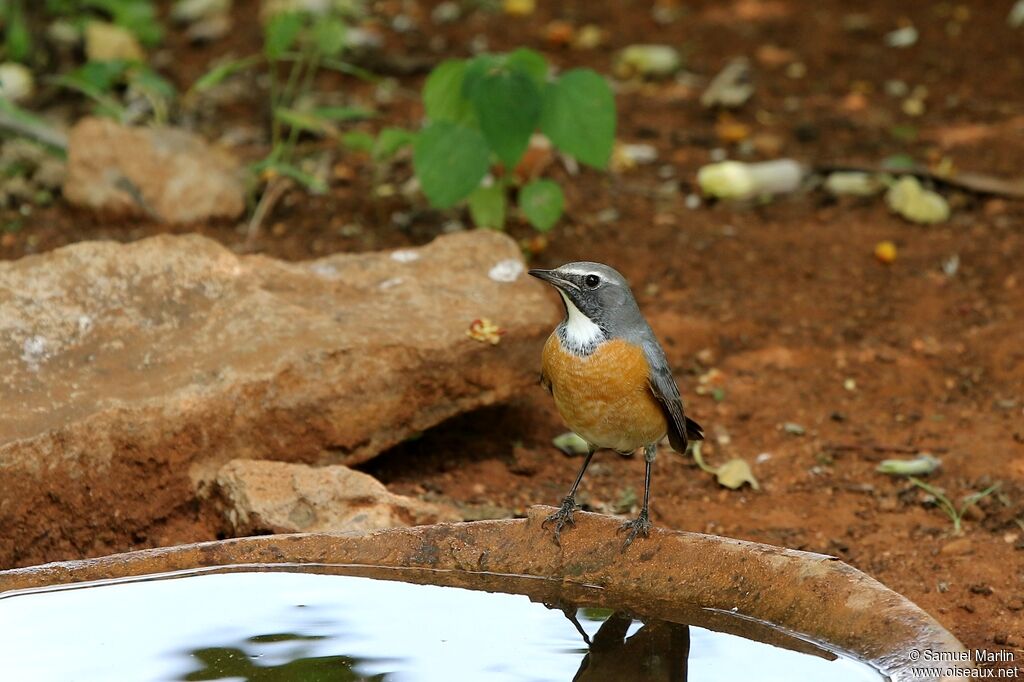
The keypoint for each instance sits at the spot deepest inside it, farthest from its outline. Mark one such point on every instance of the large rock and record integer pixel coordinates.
(262, 496)
(164, 173)
(129, 374)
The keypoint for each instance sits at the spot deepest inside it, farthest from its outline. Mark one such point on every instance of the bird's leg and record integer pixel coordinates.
(563, 517)
(642, 524)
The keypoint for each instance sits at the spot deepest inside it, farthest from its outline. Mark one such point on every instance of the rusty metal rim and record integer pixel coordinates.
(674, 576)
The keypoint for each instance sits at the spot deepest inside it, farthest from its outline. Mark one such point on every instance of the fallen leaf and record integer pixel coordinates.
(485, 331)
(734, 473)
(571, 443)
(919, 466)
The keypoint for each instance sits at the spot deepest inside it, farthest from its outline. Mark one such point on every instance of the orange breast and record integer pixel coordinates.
(605, 396)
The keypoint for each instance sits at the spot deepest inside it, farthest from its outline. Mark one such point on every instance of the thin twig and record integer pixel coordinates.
(879, 447)
(271, 195)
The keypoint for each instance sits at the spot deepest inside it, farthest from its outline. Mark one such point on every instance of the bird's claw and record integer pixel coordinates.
(641, 525)
(561, 518)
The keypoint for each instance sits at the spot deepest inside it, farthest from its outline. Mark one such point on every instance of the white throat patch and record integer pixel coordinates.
(578, 332)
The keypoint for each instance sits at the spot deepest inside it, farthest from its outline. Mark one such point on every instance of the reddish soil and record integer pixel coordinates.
(784, 299)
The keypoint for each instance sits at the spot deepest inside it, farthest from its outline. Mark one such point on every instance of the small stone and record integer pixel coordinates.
(794, 429)
(16, 82)
(589, 37)
(286, 498)
(519, 8)
(902, 37)
(446, 13)
(647, 61)
(957, 547)
(166, 173)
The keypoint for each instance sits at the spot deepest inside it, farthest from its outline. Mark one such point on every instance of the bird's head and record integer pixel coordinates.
(593, 293)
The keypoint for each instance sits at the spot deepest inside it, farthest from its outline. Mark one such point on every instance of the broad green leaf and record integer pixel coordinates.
(487, 206)
(329, 36)
(442, 93)
(476, 69)
(449, 160)
(390, 140)
(508, 106)
(542, 203)
(280, 34)
(217, 74)
(579, 116)
(531, 63)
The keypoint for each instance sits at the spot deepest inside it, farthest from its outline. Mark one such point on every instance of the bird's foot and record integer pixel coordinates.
(562, 518)
(641, 525)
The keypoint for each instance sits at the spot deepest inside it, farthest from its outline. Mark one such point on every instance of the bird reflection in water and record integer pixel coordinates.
(657, 652)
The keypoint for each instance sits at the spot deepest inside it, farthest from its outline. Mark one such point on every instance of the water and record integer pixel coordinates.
(284, 626)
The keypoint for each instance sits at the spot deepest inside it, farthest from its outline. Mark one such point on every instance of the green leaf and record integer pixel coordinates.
(487, 206)
(579, 116)
(329, 36)
(390, 140)
(476, 69)
(508, 105)
(449, 160)
(150, 81)
(98, 76)
(17, 38)
(358, 141)
(341, 113)
(280, 34)
(530, 63)
(137, 16)
(542, 203)
(217, 74)
(302, 120)
(307, 180)
(442, 93)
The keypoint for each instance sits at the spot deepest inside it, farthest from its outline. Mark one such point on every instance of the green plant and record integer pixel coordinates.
(484, 110)
(296, 46)
(103, 81)
(945, 504)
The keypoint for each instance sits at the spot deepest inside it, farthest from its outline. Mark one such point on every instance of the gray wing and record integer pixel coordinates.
(665, 389)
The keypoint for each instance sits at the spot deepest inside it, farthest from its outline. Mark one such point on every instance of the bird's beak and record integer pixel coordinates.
(551, 277)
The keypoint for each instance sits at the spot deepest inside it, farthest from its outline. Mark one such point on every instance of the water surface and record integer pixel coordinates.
(281, 626)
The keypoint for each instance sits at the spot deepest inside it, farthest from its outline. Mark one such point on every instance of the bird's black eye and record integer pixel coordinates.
(592, 281)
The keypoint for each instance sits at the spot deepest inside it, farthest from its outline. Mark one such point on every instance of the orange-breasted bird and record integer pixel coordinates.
(609, 378)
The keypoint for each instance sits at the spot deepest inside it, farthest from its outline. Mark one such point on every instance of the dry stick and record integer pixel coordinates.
(979, 183)
(271, 195)
(878, 447)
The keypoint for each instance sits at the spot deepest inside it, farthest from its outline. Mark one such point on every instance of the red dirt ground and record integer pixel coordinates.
(783, 299)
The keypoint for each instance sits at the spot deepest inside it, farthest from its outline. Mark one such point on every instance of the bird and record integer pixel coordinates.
(610, 379)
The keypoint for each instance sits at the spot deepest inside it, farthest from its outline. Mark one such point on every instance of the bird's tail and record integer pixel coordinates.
(694, 431)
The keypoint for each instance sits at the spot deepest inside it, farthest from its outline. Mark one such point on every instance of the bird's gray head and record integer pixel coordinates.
(598, 302)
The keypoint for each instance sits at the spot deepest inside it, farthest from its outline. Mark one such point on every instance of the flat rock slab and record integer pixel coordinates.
(130, 374)
(278, 497)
